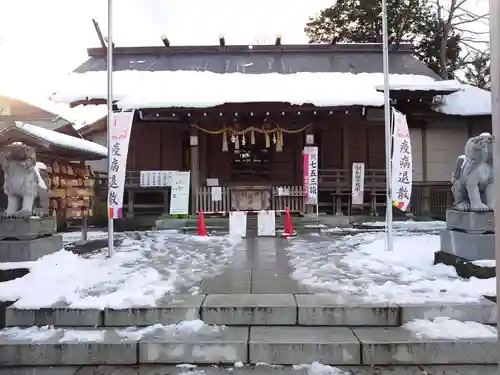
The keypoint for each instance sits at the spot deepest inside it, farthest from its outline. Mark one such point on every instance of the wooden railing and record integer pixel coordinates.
(431, 198)
(337, 180)
(282, 197)
(204, 201)
(294, 199)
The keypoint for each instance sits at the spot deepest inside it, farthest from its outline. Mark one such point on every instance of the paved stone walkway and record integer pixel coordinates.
(261, 370)
(260, 266)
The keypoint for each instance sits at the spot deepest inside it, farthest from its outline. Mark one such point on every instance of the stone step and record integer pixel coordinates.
(339, 346)
(261, 369)
(251, 310)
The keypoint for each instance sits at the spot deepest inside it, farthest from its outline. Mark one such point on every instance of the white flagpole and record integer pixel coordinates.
(495, 121)
(388, 133)
(110, 114)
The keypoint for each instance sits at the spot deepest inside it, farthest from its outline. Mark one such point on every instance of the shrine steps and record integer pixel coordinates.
(276, 329)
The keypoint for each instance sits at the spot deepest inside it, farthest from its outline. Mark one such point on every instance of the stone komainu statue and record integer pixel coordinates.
(23, 182)
(473, 177)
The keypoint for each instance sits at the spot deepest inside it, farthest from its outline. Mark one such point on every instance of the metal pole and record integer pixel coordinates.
(110, 114)
(388, 132)
(495, 124)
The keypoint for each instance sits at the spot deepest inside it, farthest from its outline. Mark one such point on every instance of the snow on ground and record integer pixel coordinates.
(36, 334)
(317, 368)
(15, 265)
(485, 263)
(144, 267)
(408, 224)
(70, 237)
(359, 267)
(446, 328)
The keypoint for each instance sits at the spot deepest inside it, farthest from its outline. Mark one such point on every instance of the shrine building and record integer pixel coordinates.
(238, 117)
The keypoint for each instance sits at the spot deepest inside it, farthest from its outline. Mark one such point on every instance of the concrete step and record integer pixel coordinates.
(253, 310)
(339, 346)
(261, 369)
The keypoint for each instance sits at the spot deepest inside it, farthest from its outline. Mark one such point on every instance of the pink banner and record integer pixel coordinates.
(306, 175)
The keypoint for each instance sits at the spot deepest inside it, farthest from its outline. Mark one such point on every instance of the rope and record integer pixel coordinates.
(250, 129)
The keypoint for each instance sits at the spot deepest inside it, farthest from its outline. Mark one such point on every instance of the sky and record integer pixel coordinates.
(41, 41)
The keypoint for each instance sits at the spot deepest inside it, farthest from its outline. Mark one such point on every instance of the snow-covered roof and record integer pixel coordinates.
(135, 89)
(83, 115)
(60, 140)
(469, 101)
(431, 85)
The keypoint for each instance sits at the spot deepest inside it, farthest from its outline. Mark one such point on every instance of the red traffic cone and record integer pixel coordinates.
(202, 227)
(289, 231)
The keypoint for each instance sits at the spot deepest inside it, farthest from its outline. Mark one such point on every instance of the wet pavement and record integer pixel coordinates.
(260, 266)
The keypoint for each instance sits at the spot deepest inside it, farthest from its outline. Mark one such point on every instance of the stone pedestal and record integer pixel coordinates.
(22, 229)
(23, 240)
(468, 237)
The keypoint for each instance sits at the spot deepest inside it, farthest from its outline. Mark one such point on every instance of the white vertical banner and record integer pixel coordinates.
(179, 195)
(118, 151)
(266, 223)
(402, 167)
(358, 183)
(237, 224)
(310, 167)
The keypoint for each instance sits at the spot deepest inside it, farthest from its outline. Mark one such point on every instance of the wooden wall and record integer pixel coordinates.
(158, 146)
(345, 140)
(342, 141)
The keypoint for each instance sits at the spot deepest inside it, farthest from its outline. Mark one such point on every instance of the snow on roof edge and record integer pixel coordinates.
(63, 140)
(144, 89)
(469, 101)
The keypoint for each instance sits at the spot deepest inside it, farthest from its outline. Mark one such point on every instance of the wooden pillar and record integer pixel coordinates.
(426, 193)
(195, 167)
(131, 198)
(345, 144)
(166, 202)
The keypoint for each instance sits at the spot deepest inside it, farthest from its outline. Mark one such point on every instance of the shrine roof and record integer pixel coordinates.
(259, 59)
(50, 143)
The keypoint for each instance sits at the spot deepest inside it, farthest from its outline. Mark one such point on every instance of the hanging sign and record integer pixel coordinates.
(311, 174)
(155, 178)
(401, 162)
(358, 183)
(179, 197)
(118, 150)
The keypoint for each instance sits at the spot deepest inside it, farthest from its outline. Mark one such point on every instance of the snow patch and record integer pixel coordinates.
(408, 224)
(146, 266)
(29, 334)
(317, 368)
(15, 265)
(82, 336)
(485, 263)
(446, 328)
(36, 334)
(359, 267)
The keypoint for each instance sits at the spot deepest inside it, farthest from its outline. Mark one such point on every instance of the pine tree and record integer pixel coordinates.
(478, 69)
(410, 21)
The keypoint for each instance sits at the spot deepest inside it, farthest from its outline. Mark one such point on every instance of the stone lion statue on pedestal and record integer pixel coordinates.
(23, 182)
(472, 181)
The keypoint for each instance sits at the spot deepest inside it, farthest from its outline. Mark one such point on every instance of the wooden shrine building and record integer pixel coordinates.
(239, 117)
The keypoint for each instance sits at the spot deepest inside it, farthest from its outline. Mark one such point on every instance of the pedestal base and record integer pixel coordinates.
(469, 246)
(464, 268)
(24, 229)
(471, 222)
(29, 250)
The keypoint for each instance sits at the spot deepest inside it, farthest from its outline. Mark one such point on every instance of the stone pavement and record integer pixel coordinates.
(249, 370)
(260, 266)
